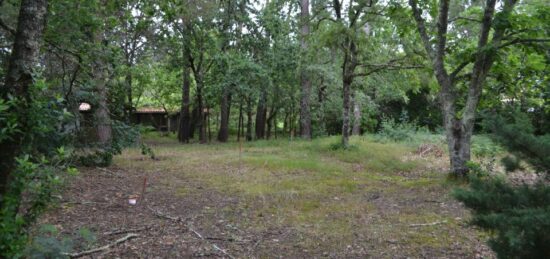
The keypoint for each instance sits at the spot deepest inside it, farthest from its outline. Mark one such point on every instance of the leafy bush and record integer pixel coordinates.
(394, 131)
(147, 151)
(33, 185)
(49, 243)
(40, 166)
(486, 150)
(339, 146)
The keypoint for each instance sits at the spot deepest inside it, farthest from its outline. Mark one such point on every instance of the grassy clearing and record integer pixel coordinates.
(331, 198)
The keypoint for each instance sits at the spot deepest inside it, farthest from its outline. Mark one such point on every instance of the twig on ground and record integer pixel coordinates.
(428, 224)
(223, 251)
(124, 231)
(105, 247)
(162, 215)
(213, 245)
(109, 172)
(83, 202)
(196, 233)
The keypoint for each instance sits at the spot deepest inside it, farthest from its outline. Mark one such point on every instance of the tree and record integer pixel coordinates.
(305, 114)
(495, 32)
(19, 81)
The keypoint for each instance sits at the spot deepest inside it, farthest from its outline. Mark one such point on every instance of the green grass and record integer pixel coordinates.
(321, 192)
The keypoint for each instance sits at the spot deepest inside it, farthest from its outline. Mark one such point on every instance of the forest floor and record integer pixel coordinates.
(275, 199)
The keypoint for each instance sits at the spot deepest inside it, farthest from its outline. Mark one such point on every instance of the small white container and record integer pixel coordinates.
(132, 200)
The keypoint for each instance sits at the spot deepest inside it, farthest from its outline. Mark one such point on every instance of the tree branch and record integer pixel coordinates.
(522, 41)
(6, 27)
(421, 27)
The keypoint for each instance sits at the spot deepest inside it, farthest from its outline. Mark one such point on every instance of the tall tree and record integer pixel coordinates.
(459, 107)
(19, 80)
(305, 113)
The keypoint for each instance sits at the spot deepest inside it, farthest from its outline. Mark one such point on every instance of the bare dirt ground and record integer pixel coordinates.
(268, 202)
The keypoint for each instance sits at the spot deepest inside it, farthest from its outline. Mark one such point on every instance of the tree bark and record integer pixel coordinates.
(240, 126)
(101, 112)
(270, 122)
(305, 113)
(261, 113)
(129, 102)
(193, 123)
(19, 80)
(348, 68)
(225, 107)
(356, 130)
(249, 120)
(184, 132)
(201, 114)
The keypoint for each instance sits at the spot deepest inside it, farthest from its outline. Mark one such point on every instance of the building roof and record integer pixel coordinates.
(150, 110)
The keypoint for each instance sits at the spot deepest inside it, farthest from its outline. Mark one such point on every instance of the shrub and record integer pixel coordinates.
(519, 216)
(397, 132)
(38, 169)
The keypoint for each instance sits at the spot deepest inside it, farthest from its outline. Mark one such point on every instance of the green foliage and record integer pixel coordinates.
(34, 183)
(147, 151)
(486, 150)
(515, 132)
(511, 163)
(123, 136)
(339, 146)
(519, 216)
(41, 165)
(49, 243)
(397, 131)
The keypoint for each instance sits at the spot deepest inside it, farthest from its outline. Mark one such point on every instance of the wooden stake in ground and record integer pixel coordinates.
(143, 189)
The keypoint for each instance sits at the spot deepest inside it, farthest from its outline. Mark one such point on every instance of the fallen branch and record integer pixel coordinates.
(428, 224)
(105, 247)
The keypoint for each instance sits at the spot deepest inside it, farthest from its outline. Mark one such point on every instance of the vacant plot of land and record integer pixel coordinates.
(273, 199)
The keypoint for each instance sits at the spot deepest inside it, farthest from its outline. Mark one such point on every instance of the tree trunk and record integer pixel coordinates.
(129, 103)
(207, 119)
(24, 56)
(184, 132)
(101, 112)
(249, 121)
(240, 126)
(193, 123)
(348, 68)
(305, 113)
(261, 113)
(201, 120)
(345, 113)
(225, 106)
(275, 126)
(356, 117)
